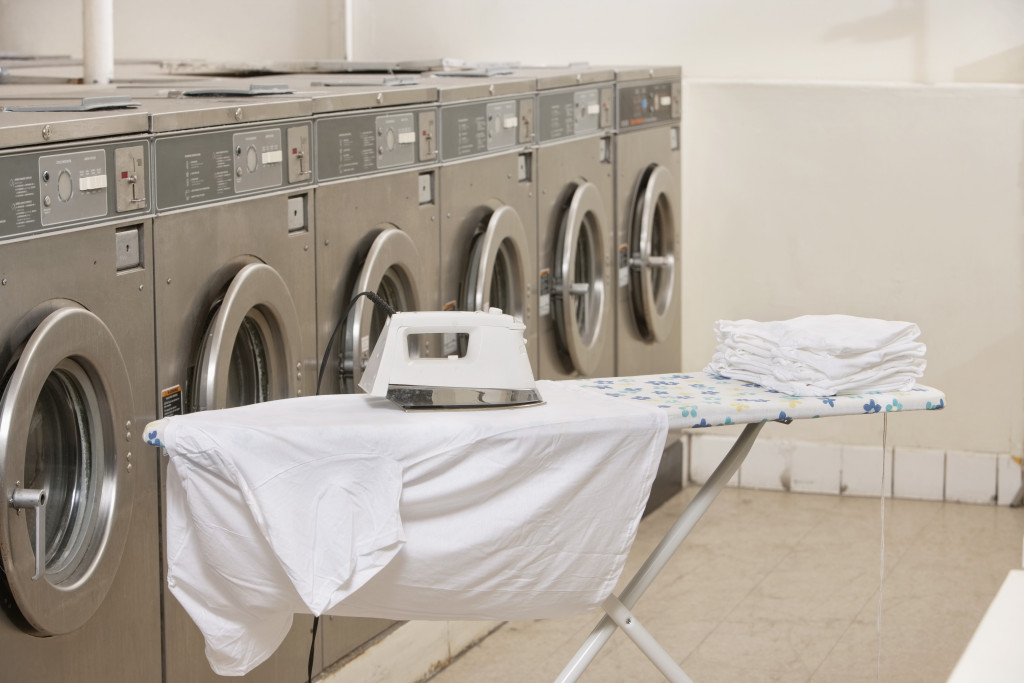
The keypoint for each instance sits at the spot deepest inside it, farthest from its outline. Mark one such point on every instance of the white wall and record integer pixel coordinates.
(898, 202)
(891, 40)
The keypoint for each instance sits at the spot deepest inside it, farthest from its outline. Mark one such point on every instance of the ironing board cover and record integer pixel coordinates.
(700, 399)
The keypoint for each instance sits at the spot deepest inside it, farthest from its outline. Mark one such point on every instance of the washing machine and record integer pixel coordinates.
(648, 209)
(488, 201)
(377, 230)
(376, 199)
(235, 292)
(648, 206)
(576, 243)
(79, 526)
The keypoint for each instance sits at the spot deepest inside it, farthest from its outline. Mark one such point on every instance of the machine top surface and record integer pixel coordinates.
(216, 103)
(552, 77)
(641, 73)
(456, 86)
(344, 92)
(24, 128)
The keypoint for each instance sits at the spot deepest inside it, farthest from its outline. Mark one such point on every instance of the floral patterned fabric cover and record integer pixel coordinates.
(700, 399)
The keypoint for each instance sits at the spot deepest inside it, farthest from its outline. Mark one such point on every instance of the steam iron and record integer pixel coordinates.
(494, 371)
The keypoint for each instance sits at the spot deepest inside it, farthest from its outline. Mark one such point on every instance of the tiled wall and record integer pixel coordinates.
(924, 474)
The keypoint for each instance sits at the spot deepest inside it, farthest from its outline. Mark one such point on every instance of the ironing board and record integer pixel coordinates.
(699, 400)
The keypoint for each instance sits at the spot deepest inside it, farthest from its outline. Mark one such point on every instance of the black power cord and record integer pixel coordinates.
(384, 306)
(372, 296)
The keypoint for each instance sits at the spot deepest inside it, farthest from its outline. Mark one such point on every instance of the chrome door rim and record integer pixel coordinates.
(584, 215)
(69, 336)
(655, 310)
(503, 234)
(257, 287)
(392, 251)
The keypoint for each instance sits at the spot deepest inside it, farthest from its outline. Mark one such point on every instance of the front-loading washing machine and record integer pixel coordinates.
(648, 206)
(488, 201)
(377, 230)
(235, 288)
(377, 208)
(576, 243)
(79, 526)
(648, 210)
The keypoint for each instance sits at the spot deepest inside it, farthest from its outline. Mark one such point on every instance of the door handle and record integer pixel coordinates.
(23, 499)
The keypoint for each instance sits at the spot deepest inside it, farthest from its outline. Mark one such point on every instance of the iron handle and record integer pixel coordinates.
(24, 499)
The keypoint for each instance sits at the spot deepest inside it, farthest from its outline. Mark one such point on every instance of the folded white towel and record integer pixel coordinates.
(820, 355)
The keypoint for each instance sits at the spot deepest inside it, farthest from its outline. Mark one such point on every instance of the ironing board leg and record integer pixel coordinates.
(632, 627)
(661, 555)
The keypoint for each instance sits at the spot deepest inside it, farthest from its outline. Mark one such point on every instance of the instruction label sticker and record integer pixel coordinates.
(623, 265)
(171, 401)
(544, 306)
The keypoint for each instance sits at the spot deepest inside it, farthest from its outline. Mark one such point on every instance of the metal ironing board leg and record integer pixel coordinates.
(659, 558)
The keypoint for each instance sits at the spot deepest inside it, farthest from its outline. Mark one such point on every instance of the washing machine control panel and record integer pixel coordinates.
(649, 103)
(366, 143)
(566, 113)
(73, 185)
(487, 126)
(198, 168)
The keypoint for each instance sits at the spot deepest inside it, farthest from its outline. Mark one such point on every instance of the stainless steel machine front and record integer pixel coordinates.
(376, 169)
(648, 211)
(575, 222)
(648, 206)
(235, 288)
(488, 201)
(79, 527)
(377, 230)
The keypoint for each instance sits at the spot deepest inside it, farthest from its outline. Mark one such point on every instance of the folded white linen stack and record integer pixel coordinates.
(820, 355)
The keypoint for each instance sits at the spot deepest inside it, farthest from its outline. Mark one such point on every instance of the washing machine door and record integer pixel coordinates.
(579, 298)
(251, 350)
(653, 257)
(496, 275)
(66, 416)
(392, 269)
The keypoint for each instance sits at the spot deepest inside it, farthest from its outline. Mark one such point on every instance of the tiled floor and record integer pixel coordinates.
(784, 587)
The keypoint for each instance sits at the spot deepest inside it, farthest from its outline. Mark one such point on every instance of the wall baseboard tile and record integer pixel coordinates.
(829, 468)
(1008, 479)
(412, 652)
(862, 471)
(919, 473)
(970, 477)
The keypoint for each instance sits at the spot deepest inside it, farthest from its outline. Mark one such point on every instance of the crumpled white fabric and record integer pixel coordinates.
(820, 355)
(346, 505)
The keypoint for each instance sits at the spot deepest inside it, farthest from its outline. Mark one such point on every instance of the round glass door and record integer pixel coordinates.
(250, 351)
(579, 297)
(392, 270)
(496, 274)
(653, 255)
(66, 416)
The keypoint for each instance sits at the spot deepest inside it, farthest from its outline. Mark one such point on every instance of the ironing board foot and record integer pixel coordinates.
(656, 562)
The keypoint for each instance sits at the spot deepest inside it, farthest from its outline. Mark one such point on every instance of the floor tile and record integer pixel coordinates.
(775, 586)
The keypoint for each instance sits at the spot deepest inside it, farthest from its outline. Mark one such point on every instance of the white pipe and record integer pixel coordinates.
(336, 45)
(349, 30)
(98, 40)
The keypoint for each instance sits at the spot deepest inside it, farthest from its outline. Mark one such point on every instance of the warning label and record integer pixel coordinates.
(171, 401)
